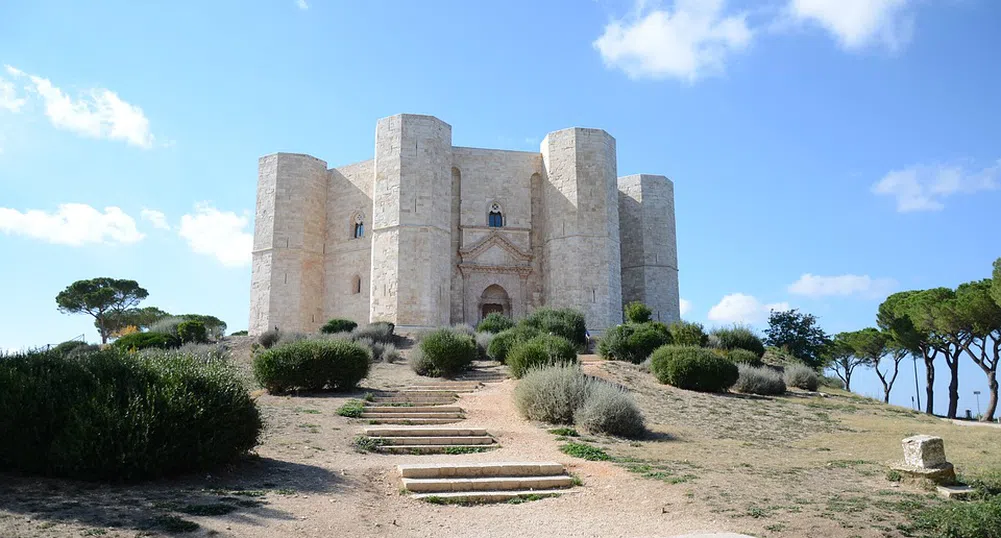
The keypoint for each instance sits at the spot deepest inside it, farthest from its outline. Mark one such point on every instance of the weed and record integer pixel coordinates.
(351, 409)
(369, 397)
(307, 411)
(894, 476)
(454, 450)
(364, 443)
(575, 480)
(564, 432)
(587, 452)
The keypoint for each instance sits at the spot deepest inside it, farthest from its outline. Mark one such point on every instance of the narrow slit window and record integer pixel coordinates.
(495, 219)
(359, 227)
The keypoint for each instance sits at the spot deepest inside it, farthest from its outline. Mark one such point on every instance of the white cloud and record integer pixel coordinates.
(924, 188)
(844, 285)
(98, 113)
(859, 23)
(302, 4)
(686, 306)
(156, 218)
(221, 234)
(72, 224)
(742, 308)
(689, 42)
(8, 97)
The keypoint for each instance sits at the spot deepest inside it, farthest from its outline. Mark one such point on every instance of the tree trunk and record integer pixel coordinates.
(953, 384)
(930, 379)
(992, 401)
(104, 331)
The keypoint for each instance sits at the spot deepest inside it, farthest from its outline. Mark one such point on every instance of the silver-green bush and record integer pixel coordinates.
(758, 380)
(801, 376)
(609, 409)
(552, 394)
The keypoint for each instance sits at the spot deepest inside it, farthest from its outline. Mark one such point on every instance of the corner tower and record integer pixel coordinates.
(649, 244)
(411, 222)
(289, 232)
(581, 235)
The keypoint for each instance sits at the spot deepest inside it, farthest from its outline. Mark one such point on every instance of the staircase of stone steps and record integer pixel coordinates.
(484, 482)
(429, 440)
(412, 414)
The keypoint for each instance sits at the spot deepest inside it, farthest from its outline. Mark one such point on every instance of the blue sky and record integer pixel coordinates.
(825, 153)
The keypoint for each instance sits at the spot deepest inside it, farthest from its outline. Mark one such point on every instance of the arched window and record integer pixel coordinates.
(495, 219)
(359, 227)
(356, 285)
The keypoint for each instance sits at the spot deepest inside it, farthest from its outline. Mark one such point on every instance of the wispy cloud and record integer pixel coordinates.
(858, 24)
(815, 286)
(301, 4)
(689, 41)
(9, 100)
(924, 188)
(223, 235)
(72, 224)
(96, 112)
(743, 308)
(686, 306)
(156, 218)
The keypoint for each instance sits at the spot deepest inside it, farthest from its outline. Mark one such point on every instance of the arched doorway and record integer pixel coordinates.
(494, 300)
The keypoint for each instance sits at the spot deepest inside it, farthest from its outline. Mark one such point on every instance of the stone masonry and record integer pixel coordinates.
(429, 234)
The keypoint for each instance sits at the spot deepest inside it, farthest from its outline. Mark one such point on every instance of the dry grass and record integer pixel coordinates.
(793, 465)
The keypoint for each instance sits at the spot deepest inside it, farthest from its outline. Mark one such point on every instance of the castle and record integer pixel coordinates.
(429, 234)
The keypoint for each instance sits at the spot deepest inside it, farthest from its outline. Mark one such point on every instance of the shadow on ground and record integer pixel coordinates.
(241, 491)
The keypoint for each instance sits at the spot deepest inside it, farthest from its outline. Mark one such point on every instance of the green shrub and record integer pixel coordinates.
(70, 346)
(552, 394)
(238, 333)
(269, 338)
(633, 342)
(109, 415)
(801, 376)
(445, 352)
(687, 333)
(980, 519)
(140, 341)
(380, 352)
(637, 312)
(543, 350)
(351, 409)
(199, 352)
(310, 365)
(738, 337)
(693, 368)
(831, 381)
(193, 332)
(742, 356)
(379, 331)
(565, 322)
(495, 323)
(338, 325)
(758, 380)
(610, 410)
(987, 483)
(503, 341)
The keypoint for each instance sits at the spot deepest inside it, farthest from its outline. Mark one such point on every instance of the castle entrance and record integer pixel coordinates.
(494, 300)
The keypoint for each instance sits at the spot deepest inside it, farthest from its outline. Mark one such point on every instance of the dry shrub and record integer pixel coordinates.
(759, 380)
(801, 376)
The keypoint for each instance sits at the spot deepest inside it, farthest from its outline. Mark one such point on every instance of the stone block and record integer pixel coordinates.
(942, 475)
(957, 492)
(924, 452)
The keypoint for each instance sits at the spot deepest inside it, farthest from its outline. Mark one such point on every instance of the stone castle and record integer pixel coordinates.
(429, 234)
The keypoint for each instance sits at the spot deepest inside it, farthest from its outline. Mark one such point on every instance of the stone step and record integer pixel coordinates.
(479, 470)
(464, 384)
(487, 496)
(412, 409)
(414, 421)
(416, 400)
(425, 432)
(500, 483)
(401, 414)
(432, 392)
(461, 440)
(428, 449)
(448, 388)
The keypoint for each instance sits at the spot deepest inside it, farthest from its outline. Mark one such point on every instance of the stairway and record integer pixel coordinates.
(484, 482)
(412, 414)
(430, 440)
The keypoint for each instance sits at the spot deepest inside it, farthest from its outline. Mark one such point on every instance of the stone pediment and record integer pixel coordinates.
(496, 253)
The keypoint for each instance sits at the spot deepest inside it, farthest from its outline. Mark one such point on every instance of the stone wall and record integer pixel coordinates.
(649, 255)
(581, 225)
(289, 229)
(428, 257)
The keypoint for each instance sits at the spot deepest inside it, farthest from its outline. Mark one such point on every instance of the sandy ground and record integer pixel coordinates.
(712, 464)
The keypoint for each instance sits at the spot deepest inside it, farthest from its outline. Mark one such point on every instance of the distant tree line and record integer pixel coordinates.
(934, 325)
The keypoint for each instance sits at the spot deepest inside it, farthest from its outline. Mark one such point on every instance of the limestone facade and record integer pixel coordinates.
(428, 234)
